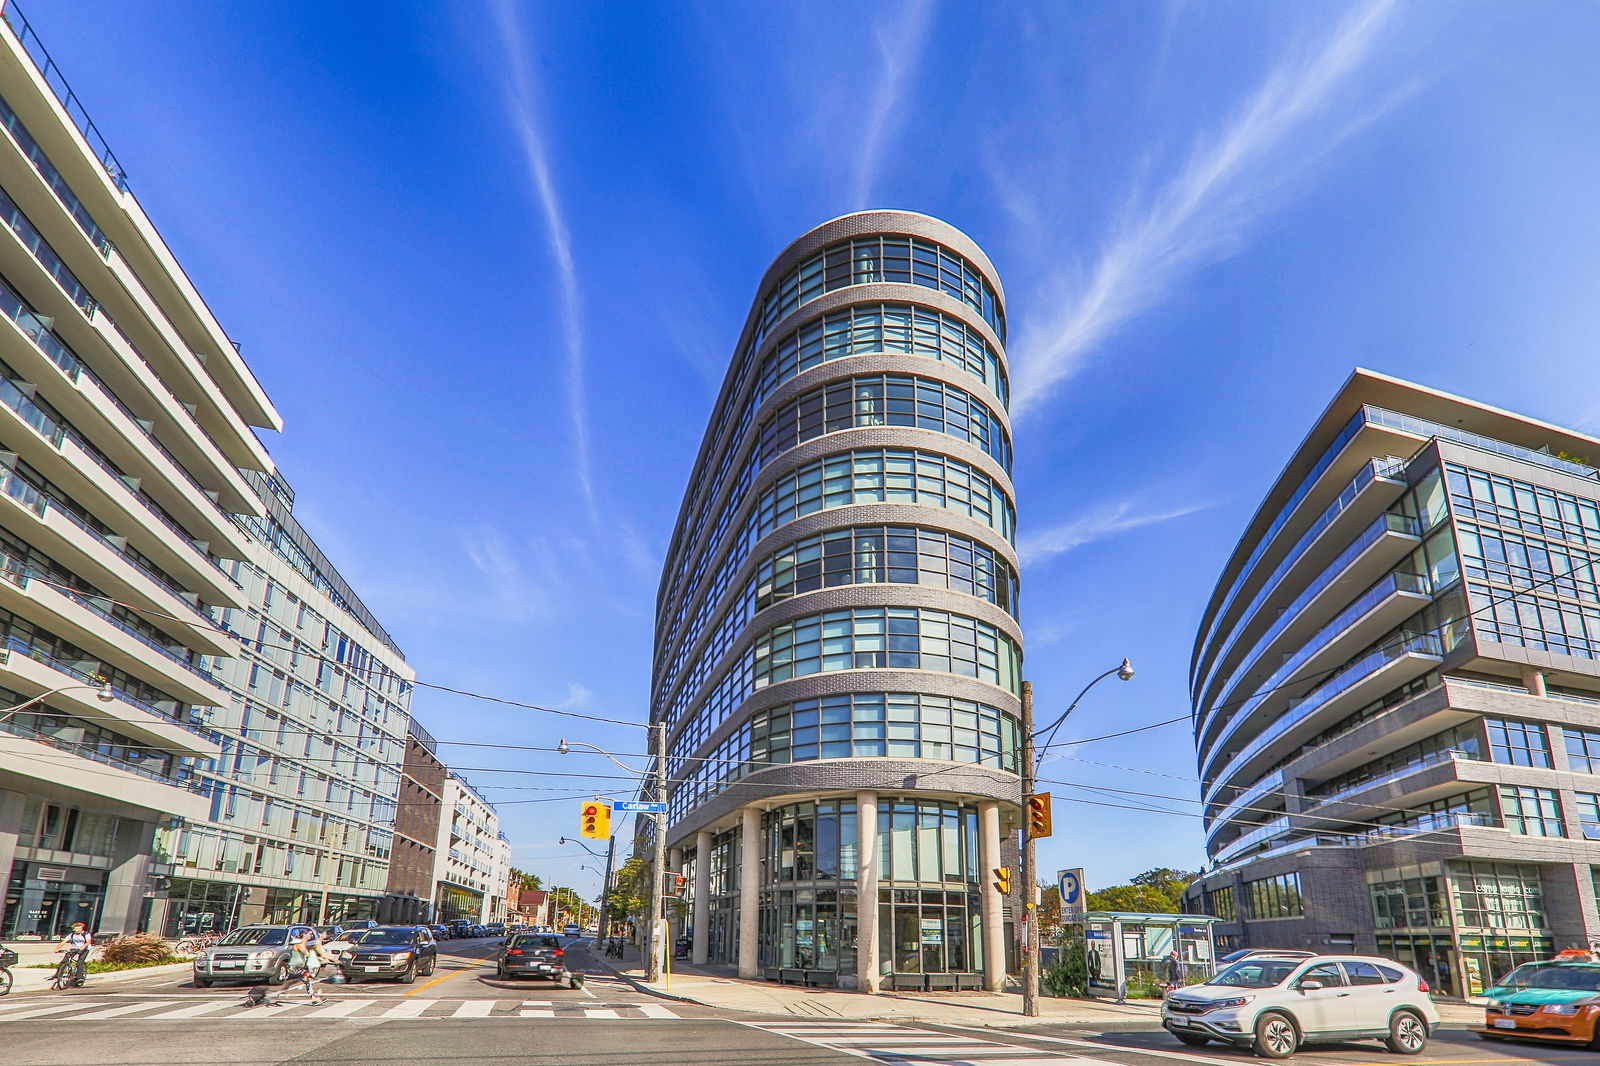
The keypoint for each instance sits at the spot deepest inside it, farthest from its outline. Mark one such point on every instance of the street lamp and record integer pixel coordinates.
(605, 886)
(102, 693)
(658, 945)
(1030, 886)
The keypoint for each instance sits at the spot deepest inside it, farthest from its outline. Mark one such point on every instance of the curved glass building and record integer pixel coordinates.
(838, 656)
(1396, 690)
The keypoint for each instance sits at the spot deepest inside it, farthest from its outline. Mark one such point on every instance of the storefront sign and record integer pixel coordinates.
(932, 931)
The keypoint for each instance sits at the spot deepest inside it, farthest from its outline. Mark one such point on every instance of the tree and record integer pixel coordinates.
(1158, 891)
(631, 896)
(522, 880)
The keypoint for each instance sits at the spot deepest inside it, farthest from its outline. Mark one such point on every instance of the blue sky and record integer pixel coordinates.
(490, 259)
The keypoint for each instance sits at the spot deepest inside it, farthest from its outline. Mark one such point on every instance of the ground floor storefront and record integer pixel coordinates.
(70, 860)
(196, 905)
(855, 891)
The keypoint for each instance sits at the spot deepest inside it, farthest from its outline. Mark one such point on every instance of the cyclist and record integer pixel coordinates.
(74, 949)
(308, 955)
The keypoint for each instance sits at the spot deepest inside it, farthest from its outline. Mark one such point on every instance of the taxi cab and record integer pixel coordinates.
(1558, 1001)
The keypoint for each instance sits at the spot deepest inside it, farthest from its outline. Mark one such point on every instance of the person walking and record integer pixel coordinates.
(308, 955)
(1174, 970)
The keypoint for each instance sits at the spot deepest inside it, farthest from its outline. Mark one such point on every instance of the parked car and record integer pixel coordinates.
(536, 955)
(1556, 1001)
(1245, 953)
(330, 933)
(441, 932)
(251, 953)
(571, 929)
(398, 952)
(459, 927)
(1273, 1004)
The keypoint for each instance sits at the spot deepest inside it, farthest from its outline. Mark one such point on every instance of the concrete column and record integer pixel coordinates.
(125, 881)
(993, 903)
(11, 804)
(749, 891)
(702, 898)
(1533, 680)
(867, 977)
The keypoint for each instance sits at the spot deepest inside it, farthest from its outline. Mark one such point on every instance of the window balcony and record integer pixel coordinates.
(1253, 838)
(1376, 549)
(1320, 804)
(1373, 674)
(1391, 601)
(1245, 803)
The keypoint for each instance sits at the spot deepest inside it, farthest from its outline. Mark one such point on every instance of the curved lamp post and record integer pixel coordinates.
(1030, 886)
(658, 944)
(102, 693)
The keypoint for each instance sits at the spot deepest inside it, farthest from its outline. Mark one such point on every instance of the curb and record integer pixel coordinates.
(640, 986)
(100, 978)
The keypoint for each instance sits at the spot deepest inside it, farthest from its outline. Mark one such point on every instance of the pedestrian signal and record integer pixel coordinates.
(1038, 815)
(596, 821)
(1002, 880)
(673, 884)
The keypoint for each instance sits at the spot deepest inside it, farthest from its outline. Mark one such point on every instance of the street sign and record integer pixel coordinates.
(1071, 883)
(638, 807)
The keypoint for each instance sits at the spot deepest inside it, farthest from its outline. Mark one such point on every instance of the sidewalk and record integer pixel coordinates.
(717, 986)
(25, 980)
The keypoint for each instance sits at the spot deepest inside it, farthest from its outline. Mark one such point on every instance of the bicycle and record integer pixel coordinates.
(194, 945)
(8, 959)
(72, 971)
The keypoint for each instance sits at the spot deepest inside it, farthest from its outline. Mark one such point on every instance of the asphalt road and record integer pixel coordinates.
(464, 1016)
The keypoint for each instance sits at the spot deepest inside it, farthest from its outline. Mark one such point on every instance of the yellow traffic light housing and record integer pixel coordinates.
(1038, 815)
(1002, 880)
(596, 820)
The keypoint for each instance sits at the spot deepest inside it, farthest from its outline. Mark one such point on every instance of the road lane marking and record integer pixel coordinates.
(440, 980)
(338, 1009)
(126, 1008)
(197, 1009)
(475, 1008)
(1108, 1047)
(54, 1008)
(408, 1008)
(655, 1010)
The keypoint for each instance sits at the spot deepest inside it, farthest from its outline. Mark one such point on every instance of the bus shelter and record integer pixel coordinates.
(1128, 949)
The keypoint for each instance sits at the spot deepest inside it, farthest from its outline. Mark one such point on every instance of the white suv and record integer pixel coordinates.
(1273, 1004)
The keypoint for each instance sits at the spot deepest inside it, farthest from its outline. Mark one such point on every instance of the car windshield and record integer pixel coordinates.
(261, 935)
(380, 937)
(1568, 978)
(536, 942)
(1256, 973)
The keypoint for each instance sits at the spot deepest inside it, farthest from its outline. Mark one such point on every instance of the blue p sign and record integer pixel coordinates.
(1071, 888)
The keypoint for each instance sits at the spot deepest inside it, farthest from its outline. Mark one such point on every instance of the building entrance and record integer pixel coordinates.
(43, 901)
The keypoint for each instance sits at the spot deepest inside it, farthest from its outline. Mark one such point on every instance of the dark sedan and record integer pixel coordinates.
(397, 952)
(536, 955)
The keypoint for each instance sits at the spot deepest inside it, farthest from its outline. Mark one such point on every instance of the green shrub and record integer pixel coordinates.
(1069, 974)
(136, 948)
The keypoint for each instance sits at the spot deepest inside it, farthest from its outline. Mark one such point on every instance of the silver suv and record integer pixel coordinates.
(250, 953)
(1273, 1004)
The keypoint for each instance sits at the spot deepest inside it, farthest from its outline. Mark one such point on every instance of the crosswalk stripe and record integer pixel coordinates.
(535, 1012)
(339, 1008)
(54, 1008)
(194, 1011)
(408, 1008)
(126, 1008)
(600, 1012)
(654, 1010)
(909, 1046)
(474, 1008)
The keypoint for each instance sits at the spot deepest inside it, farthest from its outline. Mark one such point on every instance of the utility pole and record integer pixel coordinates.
(605, 887)
(657, 938)
(1030, 877)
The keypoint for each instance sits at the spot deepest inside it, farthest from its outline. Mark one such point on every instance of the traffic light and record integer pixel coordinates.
(674, 884)
(1038, 815)
(1002, 880)
(596, 821)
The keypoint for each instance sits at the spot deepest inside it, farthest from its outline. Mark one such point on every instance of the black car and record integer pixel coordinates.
(535, 955)
(461, 928)
(398, 952)
(441, 932)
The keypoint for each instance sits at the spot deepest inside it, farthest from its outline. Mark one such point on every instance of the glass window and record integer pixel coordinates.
(1518, 743)
(1583, 750)
(1531, 811)
(1274, 897)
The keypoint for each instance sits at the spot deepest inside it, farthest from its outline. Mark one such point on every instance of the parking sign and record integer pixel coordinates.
(1071, 884)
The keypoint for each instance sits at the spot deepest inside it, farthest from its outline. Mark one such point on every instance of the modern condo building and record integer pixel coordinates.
(837, 647)
(1396, 690)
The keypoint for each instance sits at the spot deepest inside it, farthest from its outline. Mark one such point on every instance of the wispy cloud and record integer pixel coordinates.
(1197, 216)
(1106, 520)
(523, 103)
(578, 695)
(900, 45)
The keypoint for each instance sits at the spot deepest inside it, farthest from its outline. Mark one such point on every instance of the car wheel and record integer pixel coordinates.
(202, 982)
(280, 974)
(1190, 1040)
(1408, 1034)
(410, 976)
(1276, 1036)
(433, 964)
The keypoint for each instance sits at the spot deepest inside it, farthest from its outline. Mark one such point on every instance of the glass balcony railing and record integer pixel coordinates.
(175, 652)
(1258, 835)
(38, 331)
(58, 84)
(1308, 705)
(1246, 798)
(23, 647)
(1424, 428)
(1386, 523)
(1396, 582)
(20, 402)
(17, 727)
(1421, 762)
(12, 485)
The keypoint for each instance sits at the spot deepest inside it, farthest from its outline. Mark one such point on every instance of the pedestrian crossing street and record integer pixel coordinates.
(78, 1008)
(907, 1046)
